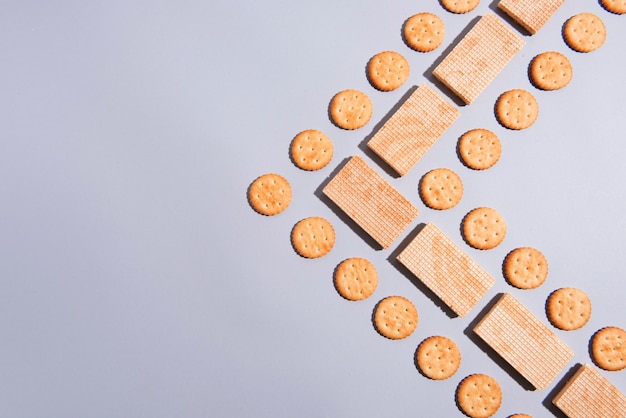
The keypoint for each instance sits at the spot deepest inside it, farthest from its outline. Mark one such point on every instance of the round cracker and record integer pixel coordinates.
(484, 228)
(608, 348)
(517, 109)
(269, 194)
(423, 32)
(550, 70)
(479, 395)
(387, 70)
(438, 357)
(617, 7)
(441, 189)
(584, 32)
(479, 149)
(568, 308)
(356, 278)
(395, 317)
(525, 268)
(459, 6)
(311, 150)
(313, 237)
(350, 109)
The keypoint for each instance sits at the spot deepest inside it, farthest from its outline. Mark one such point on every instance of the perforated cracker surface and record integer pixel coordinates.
(530, 14)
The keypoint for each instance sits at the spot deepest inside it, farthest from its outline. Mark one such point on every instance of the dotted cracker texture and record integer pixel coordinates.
(442, 266)
(410, 132)
(479, 57)
(371, 202)
(530, 14)
(588, 394)
(521, 339)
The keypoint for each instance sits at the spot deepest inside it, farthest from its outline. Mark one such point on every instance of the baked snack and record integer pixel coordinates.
(517, 109)
(356, 278)
(568, 308)
(350, 109)
(479, 396)
(530, 14)
(387, 70)
(311, 150)
(441, 189)
(584, 32)
(423, 32)
(525, 268)
(550, 70)
(484, 228)
(438, 357)
(313, 237)
(608, 348)
(614, 6)
(395, 317)
(479, 149)
(269, 194)
(459, 6)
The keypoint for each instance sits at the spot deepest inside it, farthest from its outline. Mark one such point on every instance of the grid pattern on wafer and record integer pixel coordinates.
(479, 57)
(588, 393)
(371, 202)
(410, 132)
(530, 14)
(446, 270)
(521, 339)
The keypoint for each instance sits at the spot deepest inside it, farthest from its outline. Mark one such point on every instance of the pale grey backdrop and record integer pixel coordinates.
(135, 280)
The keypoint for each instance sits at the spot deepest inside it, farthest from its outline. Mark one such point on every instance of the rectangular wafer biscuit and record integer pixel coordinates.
(371, 202)
(410, 132)
(530, 14)
(479, 57)
(589, 394)
(446, 270)
(521, 339)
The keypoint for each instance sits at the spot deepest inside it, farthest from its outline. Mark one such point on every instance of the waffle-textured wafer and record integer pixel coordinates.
(371, 202)
(521, 339)
(479, 57)
(442, 266)
(587, 393)
(410, 132)
(530, 14)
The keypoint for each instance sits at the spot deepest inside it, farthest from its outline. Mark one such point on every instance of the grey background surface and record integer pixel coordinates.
(135, 280)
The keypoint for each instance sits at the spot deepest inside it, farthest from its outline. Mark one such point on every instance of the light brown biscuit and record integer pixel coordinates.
(395, 317)
(459, 6)
(614, 6)
(423, 32)
(484, 228)
(479, 149)
(608, 348)
(531, 14)
(525, 268)
(438, 357)
(311, 150)
(356, 278)
(517, 109)
(269, 194)
(479, 396)
(568, 308)
(350, 109)
(584, 32)
(387, 70)
(441, 189)
(313, 237)
(550, 71)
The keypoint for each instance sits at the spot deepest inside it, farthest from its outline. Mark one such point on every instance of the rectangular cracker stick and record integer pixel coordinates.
(410, 132)
(588, 394)
(371, 202)
(530, 14)
(446, 270)
(524, 341)
(479, 57)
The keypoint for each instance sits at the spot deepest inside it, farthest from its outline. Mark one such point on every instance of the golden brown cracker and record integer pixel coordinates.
(350, 109)
(614, 6)
(356, 278)
(441, 189)
(568, 308)
(438, 357)
(525, 268)
(479, 396)
(395, 317)
(479, 149)
(311, 150)
(423, 32)
(387, 70)
(608, 348)
(459, 6)
(313, 237)
(269, 194)
(484, 228)
(517, 109)
(550, 70)
(530, 14)
(584, 32)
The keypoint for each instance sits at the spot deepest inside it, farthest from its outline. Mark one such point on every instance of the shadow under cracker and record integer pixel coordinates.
(491, 353)
(547, 402)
